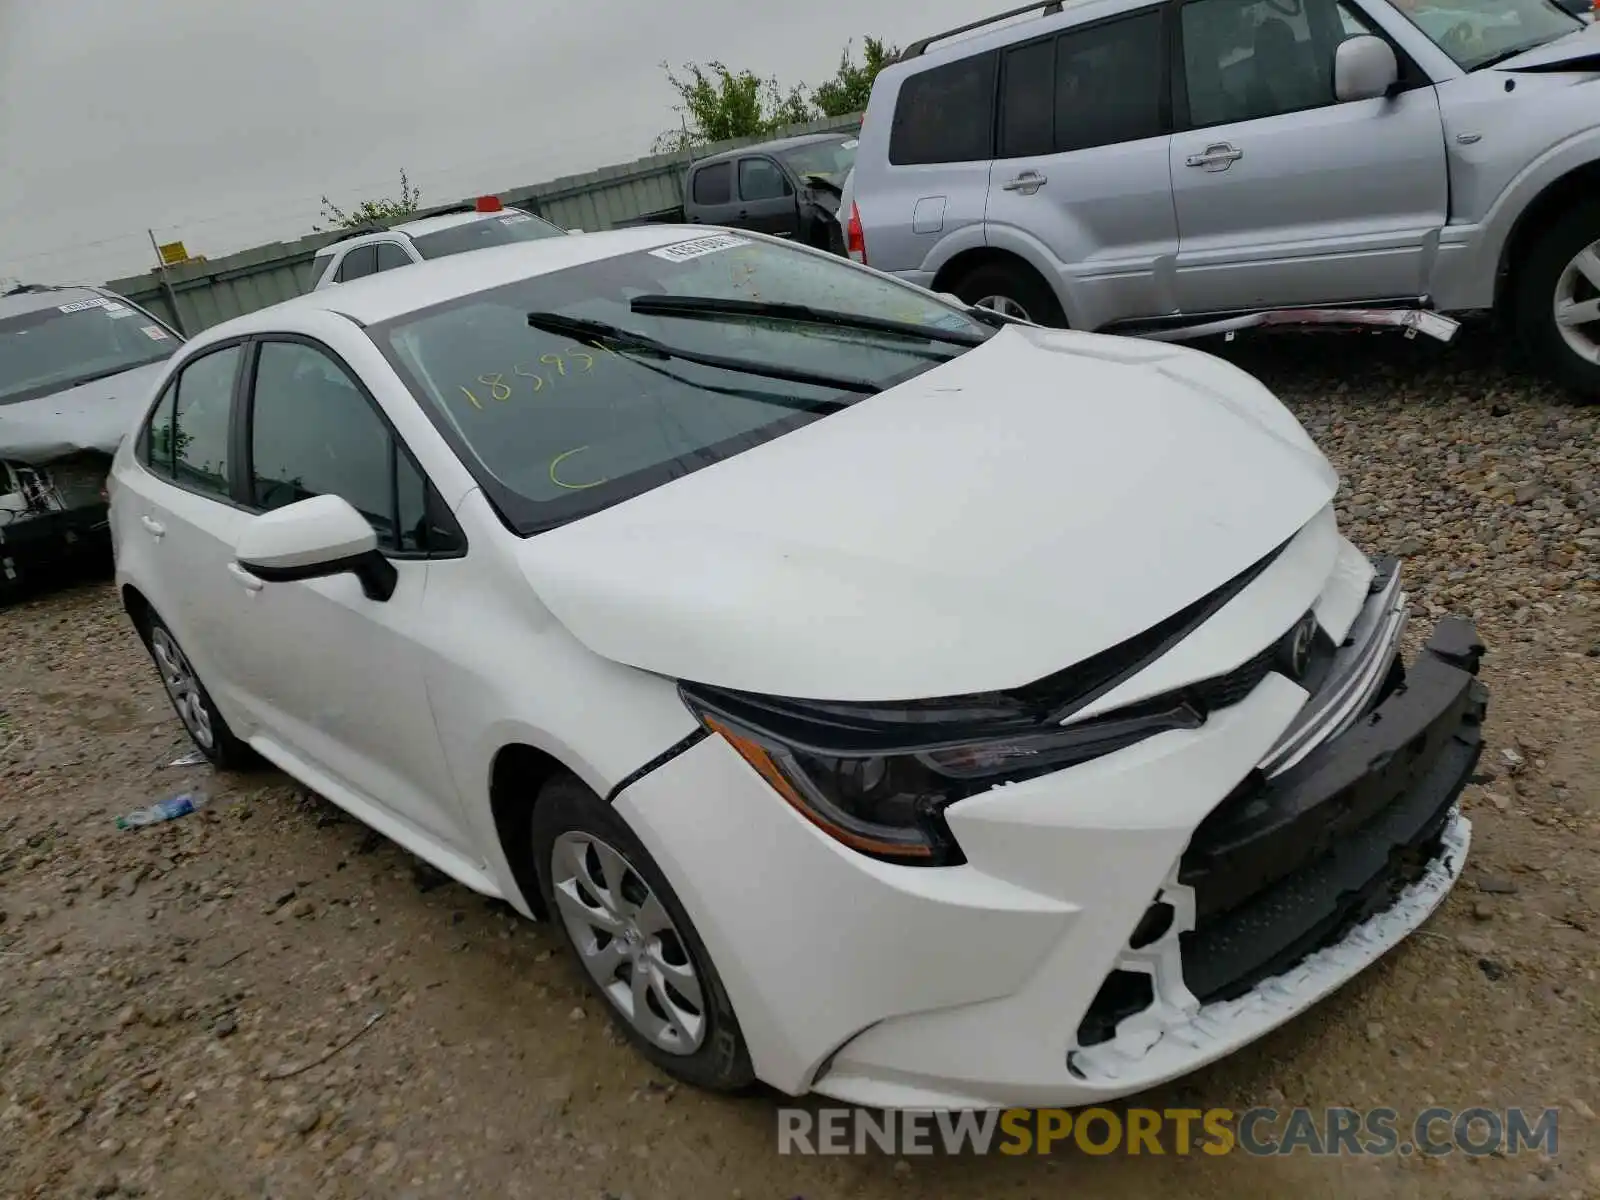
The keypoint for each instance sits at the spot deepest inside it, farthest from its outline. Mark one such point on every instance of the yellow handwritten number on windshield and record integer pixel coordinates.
(572, 487)
(496, 384)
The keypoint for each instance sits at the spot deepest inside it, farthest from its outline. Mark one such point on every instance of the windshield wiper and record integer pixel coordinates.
(804, 314)
(582, 329)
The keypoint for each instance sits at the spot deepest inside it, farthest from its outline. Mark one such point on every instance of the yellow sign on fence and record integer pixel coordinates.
(173, 253)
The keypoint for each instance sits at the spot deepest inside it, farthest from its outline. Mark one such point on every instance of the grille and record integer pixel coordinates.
(1236, 684)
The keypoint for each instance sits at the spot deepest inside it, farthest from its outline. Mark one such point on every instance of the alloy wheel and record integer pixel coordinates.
(183, 686)
(1577, 303)
(628, 943)
(1004, 305)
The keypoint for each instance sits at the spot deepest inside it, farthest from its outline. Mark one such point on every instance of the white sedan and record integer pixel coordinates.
(887, 700)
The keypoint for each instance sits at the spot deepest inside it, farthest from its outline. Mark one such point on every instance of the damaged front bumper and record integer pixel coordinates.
(1291, 886)
(51, 514)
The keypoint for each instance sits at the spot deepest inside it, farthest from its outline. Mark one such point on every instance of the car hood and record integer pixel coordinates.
(991, 521)
(93, 416)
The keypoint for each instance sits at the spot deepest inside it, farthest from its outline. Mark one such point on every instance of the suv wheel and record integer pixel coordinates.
(1557, 302)
(1014, 291)
(633, 939)
(193, 704)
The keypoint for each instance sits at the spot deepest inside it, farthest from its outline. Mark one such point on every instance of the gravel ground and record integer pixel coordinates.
(168, 996)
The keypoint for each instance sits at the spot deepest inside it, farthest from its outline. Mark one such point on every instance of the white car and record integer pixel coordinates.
(888, 700)
(486, 223)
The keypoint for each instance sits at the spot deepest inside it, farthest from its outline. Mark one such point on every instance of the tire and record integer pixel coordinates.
(206, 727)
(1019, 285)
(578, 843)
(1543, 281)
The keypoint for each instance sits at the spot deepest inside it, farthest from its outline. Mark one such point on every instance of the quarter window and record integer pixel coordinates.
(946, 114)
(714, 184)
(202, 415)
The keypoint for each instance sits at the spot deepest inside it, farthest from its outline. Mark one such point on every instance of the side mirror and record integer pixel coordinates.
(314, 539)
(1364, 68)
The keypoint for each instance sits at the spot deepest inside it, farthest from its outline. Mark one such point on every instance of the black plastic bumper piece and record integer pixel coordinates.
(1283, 868)
(33, 540)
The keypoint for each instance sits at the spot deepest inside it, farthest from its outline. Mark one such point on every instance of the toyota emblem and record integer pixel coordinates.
(1295, 650)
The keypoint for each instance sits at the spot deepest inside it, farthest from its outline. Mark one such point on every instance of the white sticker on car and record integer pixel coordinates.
(514, 218)
(699, 247)
(154, 332)
(849, 145)
(117, 311)
(80, 305)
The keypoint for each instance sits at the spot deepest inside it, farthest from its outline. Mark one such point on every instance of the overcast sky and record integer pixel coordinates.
(222, 122)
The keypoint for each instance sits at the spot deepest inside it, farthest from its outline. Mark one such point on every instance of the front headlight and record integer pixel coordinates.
(878, 777)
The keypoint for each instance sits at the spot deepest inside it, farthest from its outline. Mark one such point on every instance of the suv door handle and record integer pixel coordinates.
(155, 528)
(1218, 156)
(1028, 182)
(249, 582)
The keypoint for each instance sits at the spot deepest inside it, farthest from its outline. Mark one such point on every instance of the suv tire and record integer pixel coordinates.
(580, 847)
(1550, 277)
(1018, 285)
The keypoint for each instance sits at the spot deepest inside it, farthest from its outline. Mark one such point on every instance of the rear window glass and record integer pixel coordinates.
(946, 114)
(502, 229)
(558, 427)
(81, 339)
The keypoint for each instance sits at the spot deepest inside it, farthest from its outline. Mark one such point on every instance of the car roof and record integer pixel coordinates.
(781, 144)
(34, 299)
(411, 229)
(390, 294)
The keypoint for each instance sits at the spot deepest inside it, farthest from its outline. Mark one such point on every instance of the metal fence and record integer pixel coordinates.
(198, 295)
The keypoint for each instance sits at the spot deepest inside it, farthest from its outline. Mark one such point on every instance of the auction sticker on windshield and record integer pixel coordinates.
(699, 247)
(80, 305)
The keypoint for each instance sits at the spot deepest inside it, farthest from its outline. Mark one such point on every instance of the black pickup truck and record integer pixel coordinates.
(789, 188)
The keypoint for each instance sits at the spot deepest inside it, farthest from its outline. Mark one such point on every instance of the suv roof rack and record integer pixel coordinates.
(1048, 8)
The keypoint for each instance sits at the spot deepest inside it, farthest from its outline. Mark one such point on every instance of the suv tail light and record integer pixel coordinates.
(856, 239)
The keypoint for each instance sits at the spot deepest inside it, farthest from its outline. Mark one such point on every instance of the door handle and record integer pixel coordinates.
(1218, 156)
(246, 580)
(156, 528)
(1028, 182)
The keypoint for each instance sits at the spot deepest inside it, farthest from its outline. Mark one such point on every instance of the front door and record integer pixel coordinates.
(767, 202)
(336, 678)
(1283, 195)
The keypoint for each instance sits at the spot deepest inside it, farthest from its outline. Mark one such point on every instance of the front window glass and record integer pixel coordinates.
(831, 160)
(502, 229)
(74, 342)
(559, 427)
(1477, 33)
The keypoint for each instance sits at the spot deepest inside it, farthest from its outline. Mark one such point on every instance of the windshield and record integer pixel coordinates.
(52, 349)
(1476, 33)
(555, 428)
(831, 160)
(510, 226)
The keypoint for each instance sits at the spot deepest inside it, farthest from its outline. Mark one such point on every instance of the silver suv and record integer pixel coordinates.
(1122, 163)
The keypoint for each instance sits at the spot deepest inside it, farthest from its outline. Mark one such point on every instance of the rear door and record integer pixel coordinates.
(1285, 196)
(186, 521)
(712, 199)
(767, 202)
(1081, 164)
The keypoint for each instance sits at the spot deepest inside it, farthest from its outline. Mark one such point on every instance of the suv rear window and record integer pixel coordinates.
(946, 114)
(48, 350)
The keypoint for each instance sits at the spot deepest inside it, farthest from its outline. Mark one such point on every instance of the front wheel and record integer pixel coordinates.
(1557, 302)
(633, 939)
